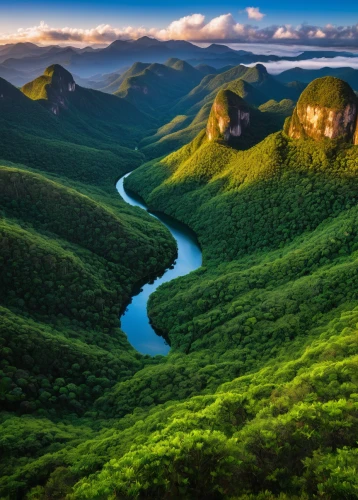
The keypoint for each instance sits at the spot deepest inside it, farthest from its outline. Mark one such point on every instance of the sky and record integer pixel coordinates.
(90, 22)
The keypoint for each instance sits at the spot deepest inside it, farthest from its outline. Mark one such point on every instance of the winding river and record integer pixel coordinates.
(135, 322)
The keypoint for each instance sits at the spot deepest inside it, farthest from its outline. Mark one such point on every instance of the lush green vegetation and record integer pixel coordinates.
(276, 224)
(71, 252)
(254, 84)
(258, 397)
(70, 262)
(46, 86)
(89, 141)
(284, 107)
(329, 92)
(191, 112)
(286, 430)
(155, 86)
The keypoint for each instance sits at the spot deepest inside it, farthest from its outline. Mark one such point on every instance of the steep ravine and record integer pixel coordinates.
(135, 322)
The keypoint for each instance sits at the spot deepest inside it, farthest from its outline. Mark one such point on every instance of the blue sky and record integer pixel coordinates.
(157, 14)
(86, 13)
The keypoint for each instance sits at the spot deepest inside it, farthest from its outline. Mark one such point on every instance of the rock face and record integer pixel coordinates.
(229, 117)
(327, 108)
(52, 88)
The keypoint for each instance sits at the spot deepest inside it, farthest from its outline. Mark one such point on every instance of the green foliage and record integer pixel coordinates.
(258, 396)
(77, 162)
(287, 428)
(157, 85)
(282, 215)
(254, 85)
(196, 107)
(284, 107)
(92, 139)
(56, 269)
(329, 92)
(58, 368)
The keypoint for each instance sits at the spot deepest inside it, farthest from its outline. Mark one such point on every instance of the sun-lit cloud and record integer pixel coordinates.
(285, 32)
(184, 28)
(194, 27)
(44, 34)
(254, 13)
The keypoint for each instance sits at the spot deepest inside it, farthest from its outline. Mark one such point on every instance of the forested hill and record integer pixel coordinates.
(277, 227)
(92, 138)
(71, 251)
(189, 112)
(258, 396)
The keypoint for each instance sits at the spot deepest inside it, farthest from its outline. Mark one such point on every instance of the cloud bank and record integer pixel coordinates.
(276, 67)
(194, 27)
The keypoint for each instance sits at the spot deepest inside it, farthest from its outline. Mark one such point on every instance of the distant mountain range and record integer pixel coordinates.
(170, 101)
(22, 61)
(349, 75)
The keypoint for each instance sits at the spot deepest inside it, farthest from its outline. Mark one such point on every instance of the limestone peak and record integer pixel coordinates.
(229, 117)
(51, 88)
(327, 108)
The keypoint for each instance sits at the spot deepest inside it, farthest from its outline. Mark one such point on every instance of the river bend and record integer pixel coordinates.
(134, 321)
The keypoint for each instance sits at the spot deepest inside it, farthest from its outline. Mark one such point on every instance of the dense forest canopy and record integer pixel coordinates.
(257, 398)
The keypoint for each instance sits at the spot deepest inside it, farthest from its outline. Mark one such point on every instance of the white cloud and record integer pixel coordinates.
(254, 13)
(192, 27)
(44, 34)
(276, 67)
(195, 27)
(184, 28)
(285, 32)
(319, 34)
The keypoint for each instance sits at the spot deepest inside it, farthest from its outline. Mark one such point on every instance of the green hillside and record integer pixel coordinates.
(260, 84)
(99, 117)
(276, 224)
(349, 75)
(135, 69)
(92, 139)
(59, 278)
(157, 85)
(257, 398)
(71, 251)
(285, 107)
(252, 84)
(266, 119)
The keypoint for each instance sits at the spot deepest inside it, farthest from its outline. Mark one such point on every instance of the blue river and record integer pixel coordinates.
(135, 322)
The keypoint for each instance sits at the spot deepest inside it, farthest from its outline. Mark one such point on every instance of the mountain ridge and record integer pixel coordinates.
(87, 62)
(258, 397)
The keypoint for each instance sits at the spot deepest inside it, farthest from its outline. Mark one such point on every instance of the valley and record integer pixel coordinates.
(135, 322)
(192, 202)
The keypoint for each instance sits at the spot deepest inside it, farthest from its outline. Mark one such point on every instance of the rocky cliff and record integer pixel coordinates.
(229, 117)
(327, 108)
(51, 88)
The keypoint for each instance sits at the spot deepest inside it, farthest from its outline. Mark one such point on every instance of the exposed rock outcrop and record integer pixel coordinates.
(229, 117)
(327, 108)
(51, 88)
